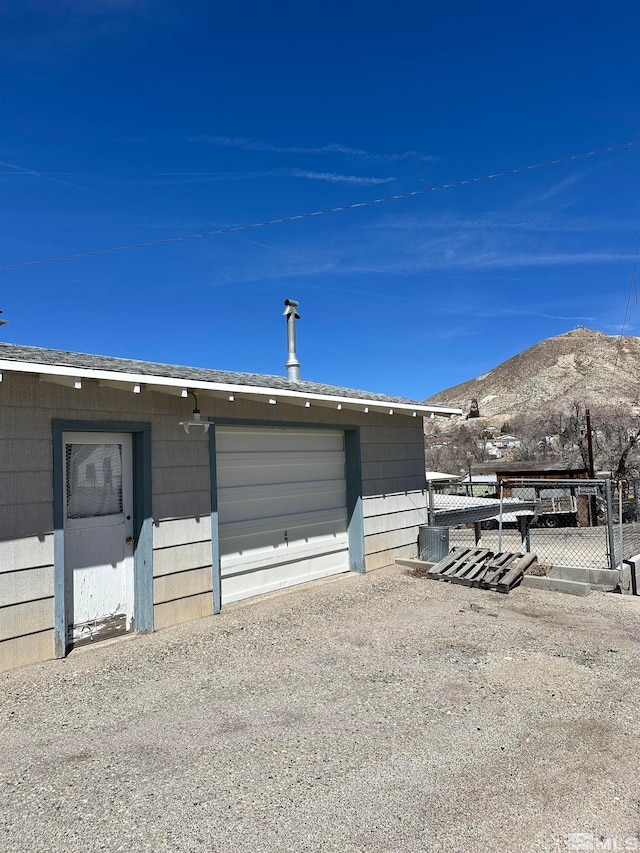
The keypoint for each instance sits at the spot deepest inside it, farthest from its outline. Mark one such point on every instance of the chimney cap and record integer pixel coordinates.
(290, 308)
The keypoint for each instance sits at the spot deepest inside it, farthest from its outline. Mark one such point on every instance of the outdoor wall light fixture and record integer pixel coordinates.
(196, 418)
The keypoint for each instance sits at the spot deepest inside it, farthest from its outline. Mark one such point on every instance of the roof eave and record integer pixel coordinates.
(172, 385)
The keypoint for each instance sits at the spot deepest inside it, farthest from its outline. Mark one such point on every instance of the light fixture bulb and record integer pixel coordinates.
(196, 421)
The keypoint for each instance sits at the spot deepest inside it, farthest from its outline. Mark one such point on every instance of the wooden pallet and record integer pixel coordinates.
(482, 568)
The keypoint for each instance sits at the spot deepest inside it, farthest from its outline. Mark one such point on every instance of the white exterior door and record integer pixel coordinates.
(282, 507)
(98, 530)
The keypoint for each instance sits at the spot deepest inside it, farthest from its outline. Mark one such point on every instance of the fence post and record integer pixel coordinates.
(612, 548)
(524, 524)
(432, 513)
(620, 523)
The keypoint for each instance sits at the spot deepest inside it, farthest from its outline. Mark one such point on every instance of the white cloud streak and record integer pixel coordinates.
(556, 189)
(332, 148)
(517, 222)
(512, 312)
(514, 260)
(495, 241)
(330, 177)
(334, 178)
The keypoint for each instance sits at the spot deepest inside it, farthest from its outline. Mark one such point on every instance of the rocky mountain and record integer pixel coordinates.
(583, 365)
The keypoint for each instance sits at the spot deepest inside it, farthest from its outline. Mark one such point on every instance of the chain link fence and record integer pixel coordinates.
(587, 523)
(625, 513)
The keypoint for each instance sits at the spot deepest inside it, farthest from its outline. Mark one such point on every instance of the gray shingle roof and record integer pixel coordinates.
(38, 355)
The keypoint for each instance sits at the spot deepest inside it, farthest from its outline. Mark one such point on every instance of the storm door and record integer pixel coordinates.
(98, 535)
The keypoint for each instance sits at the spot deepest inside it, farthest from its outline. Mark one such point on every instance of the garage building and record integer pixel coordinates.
(135, 496)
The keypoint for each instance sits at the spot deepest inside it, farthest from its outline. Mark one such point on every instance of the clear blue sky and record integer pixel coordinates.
(135, 120)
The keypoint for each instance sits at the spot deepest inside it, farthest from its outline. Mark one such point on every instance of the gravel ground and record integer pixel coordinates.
(366, 713)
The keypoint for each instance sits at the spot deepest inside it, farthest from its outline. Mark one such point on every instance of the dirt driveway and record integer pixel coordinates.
(367, 713)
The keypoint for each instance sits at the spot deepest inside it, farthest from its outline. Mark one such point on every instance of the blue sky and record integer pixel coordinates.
(126, 121)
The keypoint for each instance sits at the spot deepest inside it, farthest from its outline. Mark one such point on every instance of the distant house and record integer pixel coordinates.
(435, 441)
(496, 447)
(561, 505)
(543, 469)
(135, 495)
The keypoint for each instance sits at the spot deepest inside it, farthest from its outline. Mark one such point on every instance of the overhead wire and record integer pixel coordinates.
(633, 288)
(342, 208)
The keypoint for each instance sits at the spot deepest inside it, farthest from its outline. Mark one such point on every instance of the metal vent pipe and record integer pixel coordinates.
(291, 313)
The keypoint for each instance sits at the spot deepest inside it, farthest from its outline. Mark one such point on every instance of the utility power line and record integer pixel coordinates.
(633, 288)
(341, 209)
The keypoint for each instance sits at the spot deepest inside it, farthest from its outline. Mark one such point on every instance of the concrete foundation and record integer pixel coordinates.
(604, 580)
(556, 585)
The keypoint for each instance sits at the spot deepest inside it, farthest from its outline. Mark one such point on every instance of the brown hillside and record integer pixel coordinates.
(584, 365)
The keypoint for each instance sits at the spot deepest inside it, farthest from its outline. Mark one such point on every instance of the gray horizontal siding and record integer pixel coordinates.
(31, 617)
(23, 454)
(391, 539)
(392, 485)
(392, 452)
(392, 458)
(28, 553)
(181, 558)
(180, 452)
(391, 526)
(181, 487)
(26, 650)
(26, 595)
(181, 505)
(394, 469)
(182, 610)
(400, 431)
(26, 518)
(394, 502)
(25, 585)
(394, 521)
(181, 531)
(176, 480)
(182, 585)
(387, 558)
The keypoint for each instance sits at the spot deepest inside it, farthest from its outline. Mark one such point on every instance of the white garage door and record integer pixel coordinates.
(282, 507)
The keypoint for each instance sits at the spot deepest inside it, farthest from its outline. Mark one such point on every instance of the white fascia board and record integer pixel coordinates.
(170, 383)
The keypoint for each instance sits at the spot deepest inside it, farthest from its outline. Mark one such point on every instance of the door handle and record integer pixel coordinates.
(129, 540)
